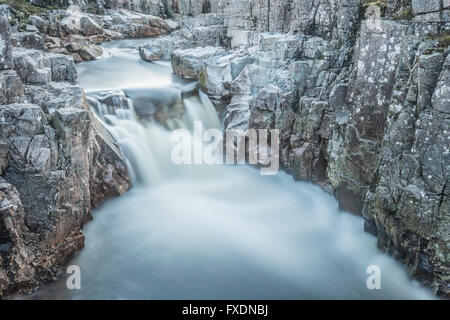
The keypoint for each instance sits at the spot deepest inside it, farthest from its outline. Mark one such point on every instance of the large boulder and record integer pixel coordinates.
(190, 62)
(421, 7)
(149, 54)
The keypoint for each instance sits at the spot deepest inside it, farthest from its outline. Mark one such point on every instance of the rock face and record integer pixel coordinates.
(56, 163)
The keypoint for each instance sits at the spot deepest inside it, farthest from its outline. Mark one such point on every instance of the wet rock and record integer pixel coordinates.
(108, 101)
(199, 31)
(149, 54)
(89, 52)
(158, 105)
(138, 25)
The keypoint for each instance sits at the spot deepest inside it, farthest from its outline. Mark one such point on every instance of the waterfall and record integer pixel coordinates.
(211, 232)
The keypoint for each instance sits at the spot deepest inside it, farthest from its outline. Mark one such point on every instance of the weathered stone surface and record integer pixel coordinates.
(89, 29)
(149, 54)
(162, 8)
(13, 250)
(190, 62)
(199, 31)
(11, 87)
(6, 61)
(89, 52)
(441, 95)
(238, 113)
(7, 11)
(29, 40)
(37, 67)
(420, 7)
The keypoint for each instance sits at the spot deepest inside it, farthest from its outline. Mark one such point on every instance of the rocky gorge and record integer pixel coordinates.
(358, 89)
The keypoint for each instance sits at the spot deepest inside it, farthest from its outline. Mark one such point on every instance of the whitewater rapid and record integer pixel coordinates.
(214, 232)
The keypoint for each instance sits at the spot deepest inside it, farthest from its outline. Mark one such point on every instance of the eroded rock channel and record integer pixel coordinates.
(362, 107)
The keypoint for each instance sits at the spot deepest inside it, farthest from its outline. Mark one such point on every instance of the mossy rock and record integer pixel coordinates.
(443, 39)
(202, 79)
(406, 14)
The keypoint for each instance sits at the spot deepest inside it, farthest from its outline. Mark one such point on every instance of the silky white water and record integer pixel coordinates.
(214, 232)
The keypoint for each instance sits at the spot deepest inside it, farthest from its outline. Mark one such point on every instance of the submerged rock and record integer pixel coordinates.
(149, 54)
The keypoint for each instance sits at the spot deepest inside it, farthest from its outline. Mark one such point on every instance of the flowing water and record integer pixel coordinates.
(212, 232)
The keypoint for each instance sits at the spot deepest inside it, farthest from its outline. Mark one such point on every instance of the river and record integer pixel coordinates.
(212, 232)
